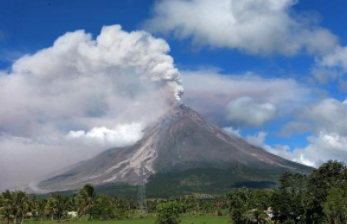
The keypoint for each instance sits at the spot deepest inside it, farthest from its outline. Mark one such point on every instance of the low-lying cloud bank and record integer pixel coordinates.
(327, 121)
(242, 100)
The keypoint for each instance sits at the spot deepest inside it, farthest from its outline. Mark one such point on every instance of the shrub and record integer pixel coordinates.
(168, 213)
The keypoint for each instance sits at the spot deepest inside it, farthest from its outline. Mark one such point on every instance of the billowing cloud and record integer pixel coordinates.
(81, 96)
(83, 83)
(260, 27)
(257, 140)
(328, 115)
(119, 136)
(320, 148)
(279, 150)
(332, 67)
(338, 58)
(239, 100)
(247, 111)
(323, 147)
(232, 131)
(324, 75)
(327, 121)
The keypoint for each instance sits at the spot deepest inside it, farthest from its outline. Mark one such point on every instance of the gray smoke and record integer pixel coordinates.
(68, 102)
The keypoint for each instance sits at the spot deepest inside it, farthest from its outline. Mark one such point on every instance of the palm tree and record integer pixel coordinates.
(5, 210)
(23, 204)
(33, 205)
(13, 204)
(49, 208)
(57, 205)
(85, 200)
(40, 208)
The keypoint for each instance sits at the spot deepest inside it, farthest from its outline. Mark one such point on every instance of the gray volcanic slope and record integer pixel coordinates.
(180, 140)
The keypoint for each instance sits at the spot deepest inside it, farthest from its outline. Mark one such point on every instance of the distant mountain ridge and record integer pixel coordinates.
(178, 143)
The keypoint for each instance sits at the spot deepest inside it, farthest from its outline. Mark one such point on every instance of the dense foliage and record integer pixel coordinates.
(320, 197)
(168, 213)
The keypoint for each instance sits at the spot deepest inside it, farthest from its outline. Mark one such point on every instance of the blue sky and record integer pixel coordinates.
(29, 26)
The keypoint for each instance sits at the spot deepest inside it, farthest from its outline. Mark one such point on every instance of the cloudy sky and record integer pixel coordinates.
(78, 77)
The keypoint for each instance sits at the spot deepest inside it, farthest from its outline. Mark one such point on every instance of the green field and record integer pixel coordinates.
(203, 219)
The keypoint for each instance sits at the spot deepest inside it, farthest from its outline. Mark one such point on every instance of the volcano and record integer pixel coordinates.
(180, 150)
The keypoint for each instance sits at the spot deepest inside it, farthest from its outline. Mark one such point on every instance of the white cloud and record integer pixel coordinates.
(328, 115)
(257, 140)
(338, 58)
(246, 110)
(91, 88)
(332, 67)
(280, 150)
(327, 120)
(320, 149)
(121, 135)
(255, 26)
(232, 131)
(210, 93)
(324, 75)
(47, 154)
(23, 160)
(81, 83)
(323, 147)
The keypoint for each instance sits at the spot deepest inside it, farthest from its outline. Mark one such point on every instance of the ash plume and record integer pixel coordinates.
(82, 95)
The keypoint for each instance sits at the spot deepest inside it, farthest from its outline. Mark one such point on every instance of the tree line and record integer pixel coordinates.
(320, 197)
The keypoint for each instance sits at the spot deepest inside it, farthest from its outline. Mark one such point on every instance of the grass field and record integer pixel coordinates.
(204, 219)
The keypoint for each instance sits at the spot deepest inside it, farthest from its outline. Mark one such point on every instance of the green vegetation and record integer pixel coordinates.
(209, 181)
(168, 213)
(320, 197)
(199, 219)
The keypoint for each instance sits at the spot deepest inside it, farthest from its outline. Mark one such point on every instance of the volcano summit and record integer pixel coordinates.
(183, 151)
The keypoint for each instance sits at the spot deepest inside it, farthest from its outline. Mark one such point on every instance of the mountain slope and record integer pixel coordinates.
(180, 141)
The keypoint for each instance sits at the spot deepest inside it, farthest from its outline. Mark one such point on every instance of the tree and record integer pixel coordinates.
(261, 199)
(329, 175)
(14, 204)
(58, 205)
(23, 204)
(281, 203)
(258, 216)
(240, 205)
(335, 207)
(168, 213)
(41, 208)
(289, 201)
(5, 210)
(85, 200)
(33, 205)
(104, 207)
